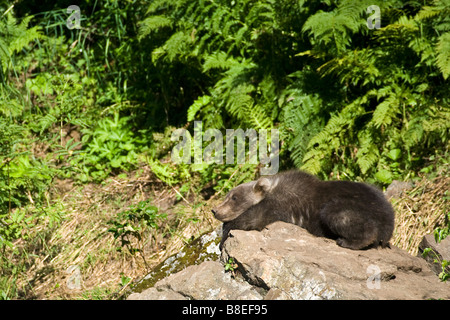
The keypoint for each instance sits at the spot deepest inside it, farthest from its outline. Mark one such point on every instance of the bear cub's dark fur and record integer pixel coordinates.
(355, 214)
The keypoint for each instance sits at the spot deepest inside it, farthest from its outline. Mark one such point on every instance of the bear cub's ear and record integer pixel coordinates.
(263, 185)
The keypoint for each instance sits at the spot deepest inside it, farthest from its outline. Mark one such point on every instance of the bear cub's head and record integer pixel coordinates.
(242, 198)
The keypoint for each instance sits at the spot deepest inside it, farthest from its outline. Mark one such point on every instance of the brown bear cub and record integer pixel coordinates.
(355, 214)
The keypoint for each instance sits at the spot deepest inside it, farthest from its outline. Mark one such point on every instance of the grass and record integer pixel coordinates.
(81, 239)
(421, 210)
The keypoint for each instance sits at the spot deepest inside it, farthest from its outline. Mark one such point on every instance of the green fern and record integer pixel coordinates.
(337, 136)
(219, 60)
(351, 95)
(198, 104)
(300, 122)
(153, 23)
(14, 37)
(176, 46)
(435, 48)
(335, 27)
(331, 138)
(165, 172)
(357, 67)
(385, 111)
(368, 154)
(443, 54)
(440, 8)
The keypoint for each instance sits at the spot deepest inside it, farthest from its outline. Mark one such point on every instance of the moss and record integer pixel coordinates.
(204, 248)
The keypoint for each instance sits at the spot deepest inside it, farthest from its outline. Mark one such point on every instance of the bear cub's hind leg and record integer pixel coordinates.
(351, 228)
(355, 244)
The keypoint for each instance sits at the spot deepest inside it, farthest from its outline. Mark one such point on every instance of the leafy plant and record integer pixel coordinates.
(133, 223)
(349, 102)
(444, 275)
(386, 105)
(22, 178)
(14, 37)
(363, 114)
(231, 266)
(110, 146)
(442, 232)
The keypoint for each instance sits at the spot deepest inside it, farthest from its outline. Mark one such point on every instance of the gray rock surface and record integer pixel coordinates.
(207, 281)
(439, 252)
(292, 264)
(397, 188)
(284, 261)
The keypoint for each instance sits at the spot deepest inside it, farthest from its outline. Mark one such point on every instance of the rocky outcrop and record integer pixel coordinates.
(397, 188)
(435, 253)
(292, 264)
(207, 281)
(286, 262)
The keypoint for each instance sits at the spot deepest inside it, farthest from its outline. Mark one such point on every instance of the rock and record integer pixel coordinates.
(284, 261)
(204, 248)
(290, 263)
(396, 188)
(207, 281)
(439, 251)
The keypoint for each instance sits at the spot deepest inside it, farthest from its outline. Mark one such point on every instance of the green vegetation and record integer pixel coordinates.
(133, 222)
(444, 275)
(94, 108)
(231, 266)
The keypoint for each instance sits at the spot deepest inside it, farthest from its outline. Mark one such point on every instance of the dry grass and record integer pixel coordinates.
(83, 244)
(421, 210)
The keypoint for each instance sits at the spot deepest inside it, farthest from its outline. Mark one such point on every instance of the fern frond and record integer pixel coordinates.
(300, 122)
(414, 132)
(240, 101)
(434, 120)
(368, 154)
(335, 26)
(385, 111)
(196, 106)
(439, 7)
(14, 37)
(153, 23)
(357, 66)
(258, 118)
(163, 171)
(46, 122)
(235, 89)
(332, 136)
(218, 60)
(443, 54)
(438, 121)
